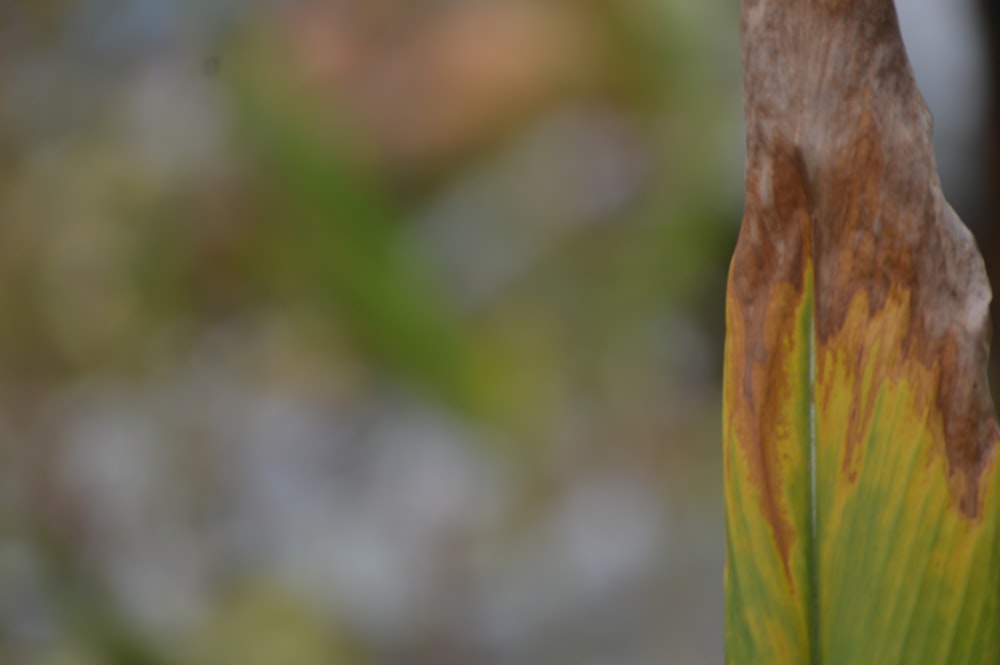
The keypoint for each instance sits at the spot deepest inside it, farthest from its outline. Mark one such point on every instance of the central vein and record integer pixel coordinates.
(813, 555)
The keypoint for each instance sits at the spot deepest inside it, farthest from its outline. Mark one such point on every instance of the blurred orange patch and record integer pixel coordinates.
(434, 84)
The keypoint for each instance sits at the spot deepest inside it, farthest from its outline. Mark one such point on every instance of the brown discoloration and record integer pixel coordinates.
(840, 169)
(766, 285)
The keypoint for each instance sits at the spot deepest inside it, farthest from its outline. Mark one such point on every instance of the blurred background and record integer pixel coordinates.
(382, 331)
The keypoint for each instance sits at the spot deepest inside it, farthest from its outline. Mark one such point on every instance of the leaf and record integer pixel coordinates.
(860, 438)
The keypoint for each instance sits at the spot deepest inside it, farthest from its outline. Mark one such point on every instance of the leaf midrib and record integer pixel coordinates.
(812, 558)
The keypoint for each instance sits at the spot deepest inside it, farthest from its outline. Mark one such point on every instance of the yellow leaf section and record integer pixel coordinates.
(905, 576)
(766, 400)
(878, 562)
